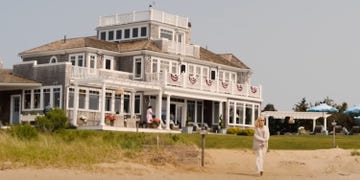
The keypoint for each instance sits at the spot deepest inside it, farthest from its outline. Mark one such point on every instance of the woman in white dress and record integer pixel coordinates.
(260, 143)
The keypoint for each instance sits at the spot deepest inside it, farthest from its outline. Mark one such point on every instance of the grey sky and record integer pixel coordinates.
(296, 49)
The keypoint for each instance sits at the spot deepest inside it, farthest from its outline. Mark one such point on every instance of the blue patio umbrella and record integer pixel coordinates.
(322, 108)
(357, 118)
(353, 110)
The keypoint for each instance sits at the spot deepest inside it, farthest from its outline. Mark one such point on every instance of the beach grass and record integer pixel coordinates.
(80, 148)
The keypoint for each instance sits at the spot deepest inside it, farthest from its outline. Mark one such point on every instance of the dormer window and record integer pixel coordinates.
(167, 34)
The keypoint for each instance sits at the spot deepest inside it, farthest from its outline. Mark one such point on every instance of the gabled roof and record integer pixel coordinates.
(9, 81)
(128, 46)
(232, 58)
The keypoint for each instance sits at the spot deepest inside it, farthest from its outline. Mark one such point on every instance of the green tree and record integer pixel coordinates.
(269, 107)
(302, 106)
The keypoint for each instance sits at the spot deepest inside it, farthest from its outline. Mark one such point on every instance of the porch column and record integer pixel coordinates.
(168, 112)
(325, 125)
(314, 124)
(184, 115)
(76, 104)
(132, 104)
(102, 105)
(159, 107)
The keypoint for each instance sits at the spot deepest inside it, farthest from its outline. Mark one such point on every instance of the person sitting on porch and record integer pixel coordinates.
(149, 115)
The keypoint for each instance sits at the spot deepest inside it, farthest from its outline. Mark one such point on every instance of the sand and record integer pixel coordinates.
(219, 164)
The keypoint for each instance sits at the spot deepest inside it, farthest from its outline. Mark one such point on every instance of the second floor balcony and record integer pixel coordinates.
(165, 79)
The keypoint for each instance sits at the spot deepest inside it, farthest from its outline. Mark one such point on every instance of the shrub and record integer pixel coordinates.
(54, 120)
(23, 132)
(233, 130)
(246, 132)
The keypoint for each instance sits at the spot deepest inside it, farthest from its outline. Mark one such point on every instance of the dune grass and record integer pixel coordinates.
(75, 148)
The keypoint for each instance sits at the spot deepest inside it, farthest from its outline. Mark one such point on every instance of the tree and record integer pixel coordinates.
(302, 106)
(270, 107)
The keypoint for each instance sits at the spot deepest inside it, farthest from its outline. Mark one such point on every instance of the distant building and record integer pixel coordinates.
(135, 60)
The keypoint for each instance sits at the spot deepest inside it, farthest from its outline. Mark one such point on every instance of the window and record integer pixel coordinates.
(108, 62)
(232, 113)
(137, 104)
(27, 99)
(143, 31)
(119, 34)
(166, 34)
(182, 68)
(117, 103)
(108, 98)
(126, 103)
(71, 97)
(199, 112)
(154, 66)
(174, 67)
(239, 113)
(213, 74)
(82, 98)
(127, 33)
(77, 59)
(248, 118)
(53, 59)
(94, 99)
(37, 95)
(111, 35)
(92, 63)
(46, 98)
(135, 32)
(164, 66)
(191, 111)
(103, 35)
(138, 67)
(57, 97)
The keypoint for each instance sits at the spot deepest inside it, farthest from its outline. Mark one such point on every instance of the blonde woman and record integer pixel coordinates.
(260, 143)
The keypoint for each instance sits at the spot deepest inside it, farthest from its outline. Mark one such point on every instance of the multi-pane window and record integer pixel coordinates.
(27, 100)
(77, 60)
(126, 103)
(127, 33)
(82, 98)
(199, 112)
(154, 66)
(94, 99)
(166, 34)
(164, 65)
(143, 31)
(138, 68)
(56, 96)
(174, 67)
(111, 35)
(46, 98)
(119, 34)
(37, 94)
(135, 32)
(92, 63)
(117, 103)
(103, 35)
(108, 98)
(137, 104)
(71, 97)
(108, 63)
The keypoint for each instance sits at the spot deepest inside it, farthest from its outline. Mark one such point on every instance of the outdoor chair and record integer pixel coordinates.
(354, 130)
(317, 129)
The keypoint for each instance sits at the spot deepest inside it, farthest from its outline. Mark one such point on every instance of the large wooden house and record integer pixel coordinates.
(135, 60)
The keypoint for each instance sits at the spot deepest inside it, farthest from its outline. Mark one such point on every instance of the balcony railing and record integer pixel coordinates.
(137, 16)
(165, 79)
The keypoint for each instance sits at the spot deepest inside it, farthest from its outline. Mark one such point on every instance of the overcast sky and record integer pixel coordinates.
(296, 49)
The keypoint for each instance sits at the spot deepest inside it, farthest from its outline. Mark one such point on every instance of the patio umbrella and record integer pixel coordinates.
(357, 118)
(353, 110)
(322, 108)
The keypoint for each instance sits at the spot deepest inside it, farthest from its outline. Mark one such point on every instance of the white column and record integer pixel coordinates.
(314, 124)
(184, 115)
(132, 104)
(76, 105)
(159, 108)
(102, 105)
(168, 112)
(220, 111)
(325, 125)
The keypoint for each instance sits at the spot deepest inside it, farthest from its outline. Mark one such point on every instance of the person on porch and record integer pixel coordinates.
(149, 116)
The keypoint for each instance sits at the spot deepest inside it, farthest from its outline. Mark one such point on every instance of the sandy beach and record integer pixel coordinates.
(227, 164)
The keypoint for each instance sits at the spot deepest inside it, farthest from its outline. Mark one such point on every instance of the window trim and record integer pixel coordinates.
(53, 58)
(167, 29)
(141, 60)
(111, 58)
(41, 106)
(77, 59)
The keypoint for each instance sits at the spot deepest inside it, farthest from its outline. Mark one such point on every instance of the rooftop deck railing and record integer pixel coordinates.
(147, 15)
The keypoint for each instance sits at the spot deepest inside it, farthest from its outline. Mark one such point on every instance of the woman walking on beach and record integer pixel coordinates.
(260, 143)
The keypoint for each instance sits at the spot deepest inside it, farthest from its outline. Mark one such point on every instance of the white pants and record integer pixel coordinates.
(260, 155)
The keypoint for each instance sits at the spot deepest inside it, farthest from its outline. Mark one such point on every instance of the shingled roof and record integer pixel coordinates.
(128, 46)
(9, 81)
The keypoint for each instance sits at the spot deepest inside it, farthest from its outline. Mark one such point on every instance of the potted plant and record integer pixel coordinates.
(110, 118)
(188, 127)
(222, 128)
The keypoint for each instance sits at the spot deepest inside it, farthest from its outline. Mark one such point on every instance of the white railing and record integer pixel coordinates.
(206, 84)
(137, 16)
(181, 48)
(195, 82)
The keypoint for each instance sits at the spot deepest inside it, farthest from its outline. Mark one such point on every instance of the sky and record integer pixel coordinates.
(296, 49)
